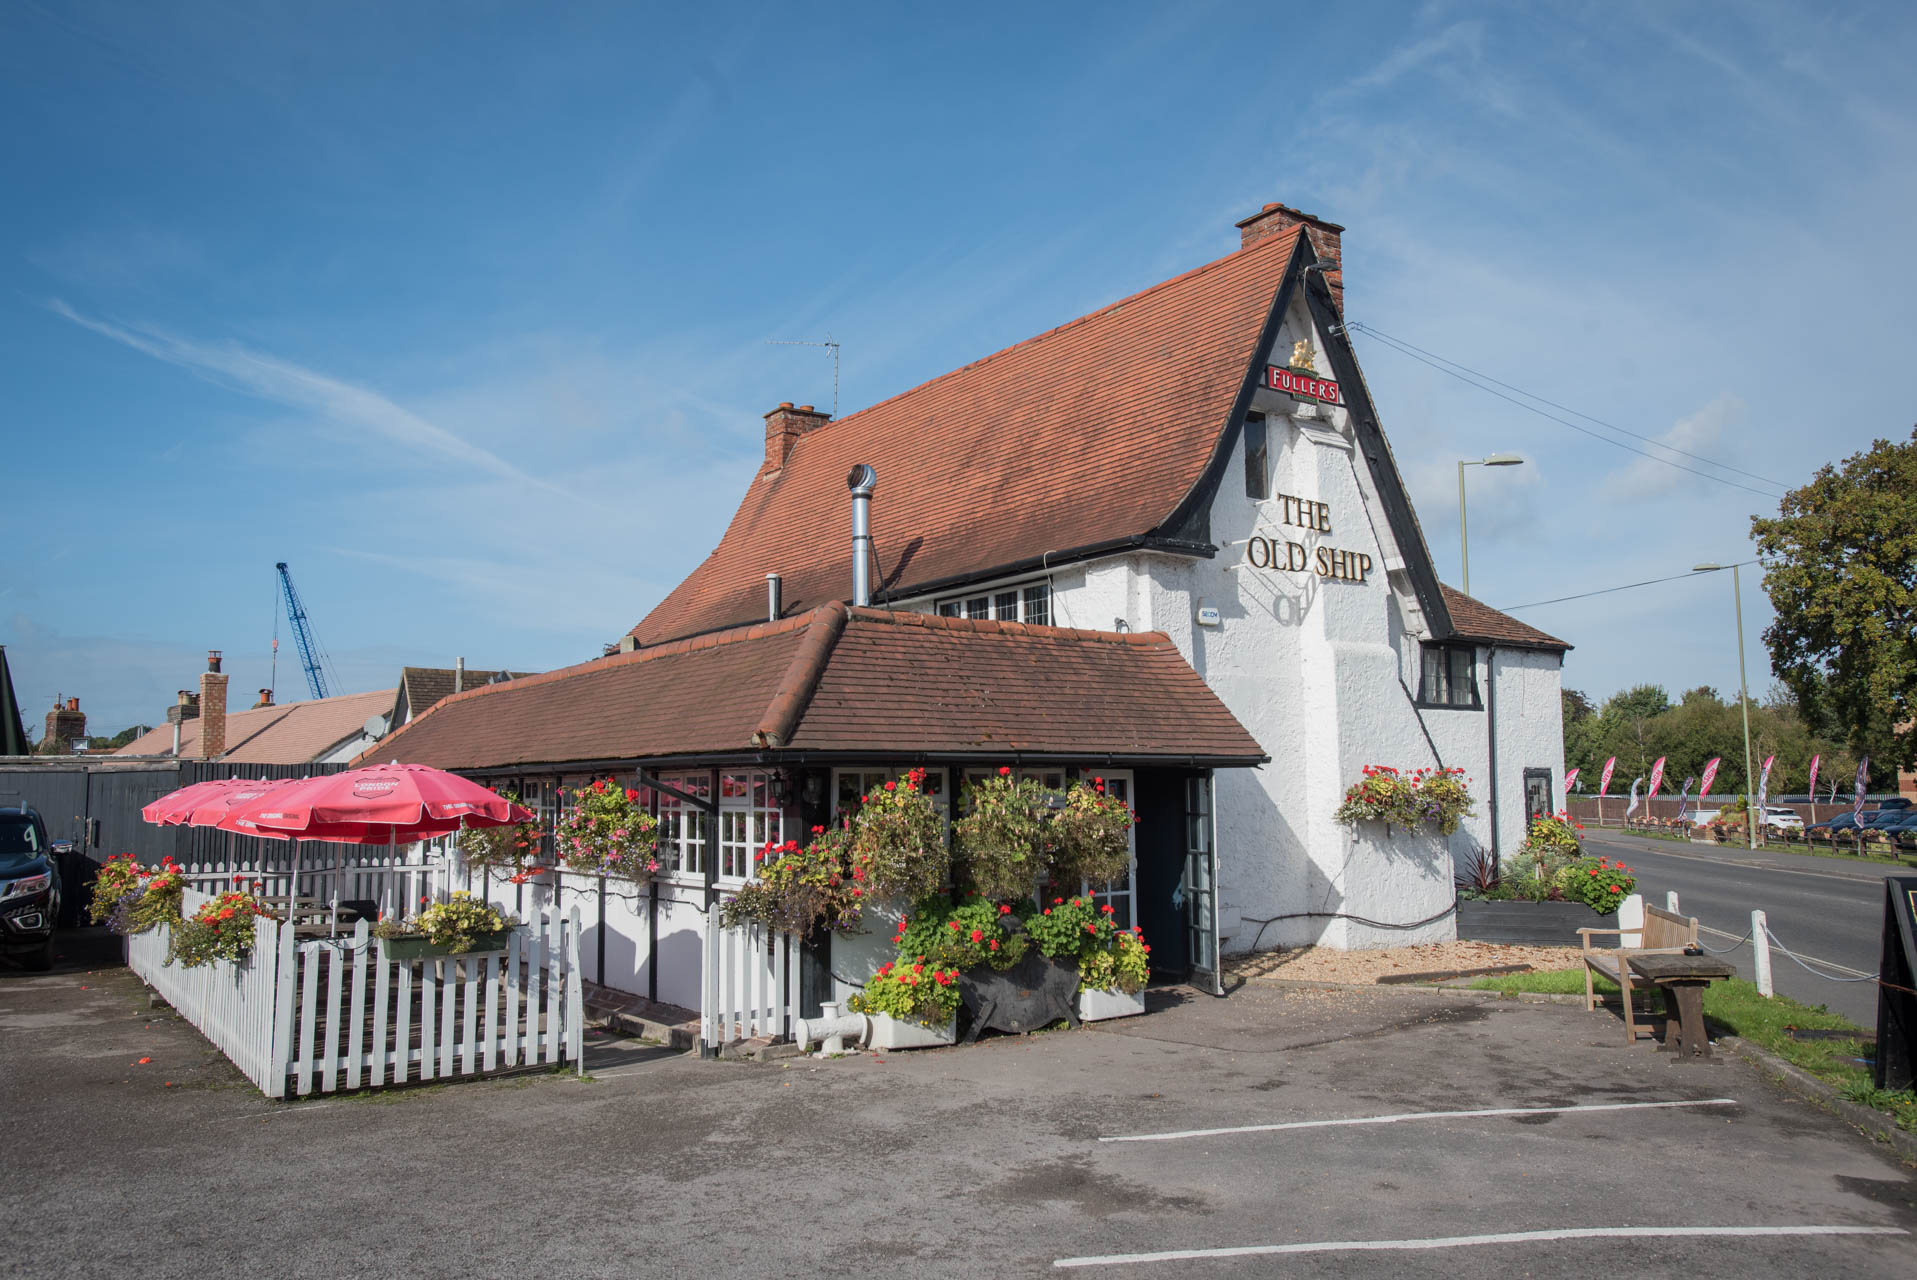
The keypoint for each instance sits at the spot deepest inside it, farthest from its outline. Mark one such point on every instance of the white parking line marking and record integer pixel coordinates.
(1420, 1115)
(1459, 1242)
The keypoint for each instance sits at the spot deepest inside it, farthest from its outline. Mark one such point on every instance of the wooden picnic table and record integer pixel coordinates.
(1683, 978)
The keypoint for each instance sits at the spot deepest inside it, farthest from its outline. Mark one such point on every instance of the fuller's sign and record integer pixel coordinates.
(1303, 385)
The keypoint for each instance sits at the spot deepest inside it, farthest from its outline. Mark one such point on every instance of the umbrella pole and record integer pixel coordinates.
(333, 929)
(293, 892)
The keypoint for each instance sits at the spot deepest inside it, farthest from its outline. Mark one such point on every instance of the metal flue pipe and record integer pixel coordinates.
(861, 482)
(774, 597)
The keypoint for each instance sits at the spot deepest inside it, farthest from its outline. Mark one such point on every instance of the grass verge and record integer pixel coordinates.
(1737, 1008)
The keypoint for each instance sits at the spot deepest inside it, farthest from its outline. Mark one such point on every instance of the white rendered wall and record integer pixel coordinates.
(1322, 672)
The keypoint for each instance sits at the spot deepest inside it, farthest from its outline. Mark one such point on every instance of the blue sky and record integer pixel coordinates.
(462, 309)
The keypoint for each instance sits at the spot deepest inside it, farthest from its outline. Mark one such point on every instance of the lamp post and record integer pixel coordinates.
(1464, 544)
(1751, 818)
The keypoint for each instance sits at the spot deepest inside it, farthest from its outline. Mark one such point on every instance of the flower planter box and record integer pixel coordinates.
(1095, 1005)
(1537, 924)
(427, 949)
(1029, 996)
(889, 1032)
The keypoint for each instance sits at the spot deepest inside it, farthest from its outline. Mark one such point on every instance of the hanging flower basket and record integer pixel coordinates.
(418, 946)
(605, 832)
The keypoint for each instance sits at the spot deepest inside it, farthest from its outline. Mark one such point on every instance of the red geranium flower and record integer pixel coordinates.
(978, 935)
(1004, 910)
(1004, 771)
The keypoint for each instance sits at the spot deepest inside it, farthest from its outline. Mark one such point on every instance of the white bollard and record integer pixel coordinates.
(1630, 918)
(1670, 901)
(1761, 947)
(831, 1030)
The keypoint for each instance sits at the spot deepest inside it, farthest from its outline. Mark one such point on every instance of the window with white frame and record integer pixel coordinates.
(749, 819)
(1027, 602)
(683, 827)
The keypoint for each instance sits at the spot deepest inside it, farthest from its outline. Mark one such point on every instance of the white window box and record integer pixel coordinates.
(1096, 1006)
(890, 1033)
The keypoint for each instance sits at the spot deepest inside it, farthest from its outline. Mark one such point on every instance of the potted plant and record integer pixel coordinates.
(506, 848)
(1091, 833)
(605, 832)
(1003, 838)
(1112, 976)
(1406, 801)
(798, 889)
(153, 899)
(458, 926)
(222, 929)
(911, 1006)
(898, 841)
(1543, 896)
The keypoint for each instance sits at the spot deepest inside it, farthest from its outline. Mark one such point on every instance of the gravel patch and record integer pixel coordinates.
(1329, 964)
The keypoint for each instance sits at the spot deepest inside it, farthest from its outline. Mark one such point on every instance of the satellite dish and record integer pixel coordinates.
(375, 726)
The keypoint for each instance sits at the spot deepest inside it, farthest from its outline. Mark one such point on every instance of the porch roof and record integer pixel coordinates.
(839, 681)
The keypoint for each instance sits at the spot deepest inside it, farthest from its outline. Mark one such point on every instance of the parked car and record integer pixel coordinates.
(1782, 819)
(1844, 821)
(1883, 819)
(29, 889)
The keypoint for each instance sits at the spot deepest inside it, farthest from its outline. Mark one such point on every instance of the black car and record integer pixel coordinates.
(29, 889)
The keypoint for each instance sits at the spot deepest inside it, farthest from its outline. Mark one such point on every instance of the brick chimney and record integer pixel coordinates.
(1275, 219)
(212, 708)
(783, 427)
(64, 723)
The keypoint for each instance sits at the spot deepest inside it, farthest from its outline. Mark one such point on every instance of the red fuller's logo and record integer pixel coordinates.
(1303, 386)
(374, 788)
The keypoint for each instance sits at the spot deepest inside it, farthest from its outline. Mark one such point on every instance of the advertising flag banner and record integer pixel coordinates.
(1632, 807)
(1657, 775)
(1857, 805)
(1764, 782)
(1604, 782)
(1710, 775)
(1811, 790)
(1570, 780)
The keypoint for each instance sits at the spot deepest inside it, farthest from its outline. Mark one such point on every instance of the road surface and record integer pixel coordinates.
(1824, 909)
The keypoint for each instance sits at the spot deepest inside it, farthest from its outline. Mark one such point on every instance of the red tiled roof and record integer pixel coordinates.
(846, 680)
(1475, 620)
(1092, 432)
(290, 733)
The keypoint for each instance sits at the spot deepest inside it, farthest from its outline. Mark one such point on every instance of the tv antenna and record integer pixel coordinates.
(801, 342)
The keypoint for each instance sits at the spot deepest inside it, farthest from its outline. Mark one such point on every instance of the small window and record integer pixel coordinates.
(1029, 603)
(1449, 676)
(1257, 466)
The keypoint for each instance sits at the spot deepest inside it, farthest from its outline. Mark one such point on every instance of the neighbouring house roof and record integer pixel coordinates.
(1093, 433)
(846, 680)
(1475, 620)
(421, 687)
(290, 733)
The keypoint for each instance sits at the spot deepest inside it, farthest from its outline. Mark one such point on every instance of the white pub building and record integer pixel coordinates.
(1165, 543)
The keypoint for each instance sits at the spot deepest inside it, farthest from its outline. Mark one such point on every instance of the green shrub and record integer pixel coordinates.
(918, 992)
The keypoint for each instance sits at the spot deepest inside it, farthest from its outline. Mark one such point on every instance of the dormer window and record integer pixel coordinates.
(1026, 602)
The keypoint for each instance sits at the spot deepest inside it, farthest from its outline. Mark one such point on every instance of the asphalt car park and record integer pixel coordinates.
(1312, 1132)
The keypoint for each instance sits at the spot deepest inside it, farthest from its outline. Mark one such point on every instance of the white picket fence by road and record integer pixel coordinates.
(393, 880)
(305, 1016)
(750, 989)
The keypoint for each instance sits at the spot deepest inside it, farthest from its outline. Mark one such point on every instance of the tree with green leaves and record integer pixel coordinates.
(1840, 565)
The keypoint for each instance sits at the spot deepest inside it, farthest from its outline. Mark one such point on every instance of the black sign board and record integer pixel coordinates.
(1896, 1066)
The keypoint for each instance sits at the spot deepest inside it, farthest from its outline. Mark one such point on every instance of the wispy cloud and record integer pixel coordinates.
(1697, 434)
(1460, 37)
(283, 382)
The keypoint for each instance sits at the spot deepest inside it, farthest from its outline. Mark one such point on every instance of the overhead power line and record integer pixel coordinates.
(1585, 595)
(1471, 377)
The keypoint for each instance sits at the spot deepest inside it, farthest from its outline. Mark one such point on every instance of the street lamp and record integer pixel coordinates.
(1464, 544)
(1751, 818)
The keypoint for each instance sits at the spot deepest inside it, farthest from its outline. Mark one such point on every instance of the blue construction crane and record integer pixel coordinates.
(311, 656)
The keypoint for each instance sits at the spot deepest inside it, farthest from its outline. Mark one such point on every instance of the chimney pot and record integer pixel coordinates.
(213, 660)
(783, 427)
(73, 704)
(1325, 237)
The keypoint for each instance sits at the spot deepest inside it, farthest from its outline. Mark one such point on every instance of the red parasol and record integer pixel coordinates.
(381, 799)
(175, 807)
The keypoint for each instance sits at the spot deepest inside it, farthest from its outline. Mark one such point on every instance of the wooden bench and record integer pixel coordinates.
(1664, 933)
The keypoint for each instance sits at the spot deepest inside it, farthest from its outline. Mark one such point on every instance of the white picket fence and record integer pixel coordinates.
(393, 881)
(751, 985)
(300, 1017)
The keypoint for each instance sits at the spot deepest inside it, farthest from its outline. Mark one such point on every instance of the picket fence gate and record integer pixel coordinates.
(305, 1016)
(750, 985)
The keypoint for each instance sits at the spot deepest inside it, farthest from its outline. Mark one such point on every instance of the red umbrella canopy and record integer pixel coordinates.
(210, 811)
(175, 807)
(386, 802)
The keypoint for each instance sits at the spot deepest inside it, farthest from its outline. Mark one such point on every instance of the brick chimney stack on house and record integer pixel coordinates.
(1324, 236)
(64, 723)
(212, 708)
(783, 427)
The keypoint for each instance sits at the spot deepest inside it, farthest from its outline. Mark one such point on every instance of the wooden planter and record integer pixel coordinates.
(889, 1032)
(1096, 1005)
(423, 948)
(1537, 924)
